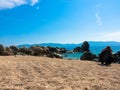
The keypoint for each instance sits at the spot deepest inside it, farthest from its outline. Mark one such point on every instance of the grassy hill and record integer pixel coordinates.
(41, 73)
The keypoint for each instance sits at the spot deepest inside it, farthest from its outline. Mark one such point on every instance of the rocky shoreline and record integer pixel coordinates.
(53, 52)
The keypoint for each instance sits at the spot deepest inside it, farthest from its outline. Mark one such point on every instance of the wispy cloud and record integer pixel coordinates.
(97, 15)
(6, 4)
(33, 2)
(98, 18)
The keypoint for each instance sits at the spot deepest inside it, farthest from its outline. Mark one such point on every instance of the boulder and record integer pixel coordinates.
(77, 49)
(88, 56)
(85, 46)
(8, 52)
(116, 57)
(2, 49)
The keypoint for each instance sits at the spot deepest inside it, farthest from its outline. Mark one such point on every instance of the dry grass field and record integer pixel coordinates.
(41, 73)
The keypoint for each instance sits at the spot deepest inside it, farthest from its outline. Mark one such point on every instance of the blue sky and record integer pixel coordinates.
(58, 21)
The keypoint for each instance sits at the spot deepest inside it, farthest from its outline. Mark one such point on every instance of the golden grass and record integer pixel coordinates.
(41, 73)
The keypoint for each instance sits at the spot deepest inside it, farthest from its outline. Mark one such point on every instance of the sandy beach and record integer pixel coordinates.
(42, 73)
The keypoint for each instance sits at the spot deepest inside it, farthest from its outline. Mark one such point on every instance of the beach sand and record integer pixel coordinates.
(42, 73)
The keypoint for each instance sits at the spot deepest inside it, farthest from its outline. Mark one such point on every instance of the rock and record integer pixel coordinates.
(116, 57)
(53, 55)
(61, 50)
(2, 49)
(52, 49)
(8, 52)
(77, 49)
(57, 50)
(85, 46)
(88, 56)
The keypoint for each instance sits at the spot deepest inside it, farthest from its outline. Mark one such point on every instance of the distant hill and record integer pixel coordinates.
(71, 46)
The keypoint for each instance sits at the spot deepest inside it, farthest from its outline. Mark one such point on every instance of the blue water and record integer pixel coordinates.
(73, 56)
(95, 50)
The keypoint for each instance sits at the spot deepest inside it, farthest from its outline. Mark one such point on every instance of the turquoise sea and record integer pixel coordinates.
(95, 50)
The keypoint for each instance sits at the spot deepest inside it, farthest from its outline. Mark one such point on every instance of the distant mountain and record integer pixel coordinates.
(71, 46)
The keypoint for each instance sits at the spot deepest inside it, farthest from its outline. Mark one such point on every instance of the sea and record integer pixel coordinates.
(95, 50)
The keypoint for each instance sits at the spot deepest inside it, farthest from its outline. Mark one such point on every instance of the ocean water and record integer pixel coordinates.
(95, 50)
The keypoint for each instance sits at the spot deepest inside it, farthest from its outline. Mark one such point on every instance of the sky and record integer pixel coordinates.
(58, 21)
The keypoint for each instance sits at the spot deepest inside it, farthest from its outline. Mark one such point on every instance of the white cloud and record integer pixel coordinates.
(97, 15)
(99, 18)
(5, 4)
(34, 2)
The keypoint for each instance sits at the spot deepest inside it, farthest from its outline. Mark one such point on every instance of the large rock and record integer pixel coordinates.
(85, 46)
(116, 57)
(88, 56)
(8, 52)
(61, 50)
(77, 49)
(54, 55)
(52, 49)
(57, 50)
(2, 49)
(14, 49)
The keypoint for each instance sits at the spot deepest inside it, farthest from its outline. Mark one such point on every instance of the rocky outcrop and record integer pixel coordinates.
(53, 52)
(14, 49)
(5, 51)
(84, 47)
(57, 50)
(2, 49)
(116, 57)
(88, 56)
(77, 49)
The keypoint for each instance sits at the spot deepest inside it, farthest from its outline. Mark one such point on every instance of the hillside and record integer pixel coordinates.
(41, 73)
